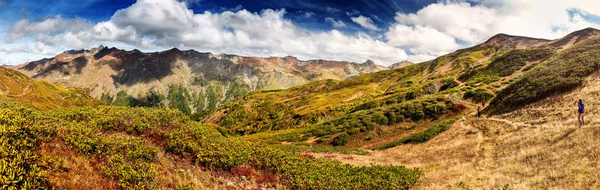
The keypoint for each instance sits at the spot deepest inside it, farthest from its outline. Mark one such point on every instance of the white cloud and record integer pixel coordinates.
(336, 24)
(308, 14)
(421, 40)
(192, 2)
(436, 29)
(365, 22)
(4, 62)
(38, 48)
(353, 12)
(332, 10)
(46, 30)
(475, 23)
(172, 24)
(418, 58)
(459, 20)
(587, 5)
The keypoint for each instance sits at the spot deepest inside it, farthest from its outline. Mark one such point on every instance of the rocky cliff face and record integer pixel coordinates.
(188, 80)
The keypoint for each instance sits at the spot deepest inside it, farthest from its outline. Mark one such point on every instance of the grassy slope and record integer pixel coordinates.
(372, 106)
(118, 147)
(538, 146)
(562, 72)
(107, 147)
(388, 106)
(39, 94)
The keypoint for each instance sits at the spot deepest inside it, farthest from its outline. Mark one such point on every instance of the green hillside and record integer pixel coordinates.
(380, 108)
(39, 94)
(48, 140)
(134, 147)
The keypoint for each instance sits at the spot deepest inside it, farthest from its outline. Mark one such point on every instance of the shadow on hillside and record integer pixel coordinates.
(216, 69)
(64, 67)
(135, 67)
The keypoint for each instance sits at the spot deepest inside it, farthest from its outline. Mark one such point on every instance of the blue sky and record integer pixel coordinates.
(385, 31)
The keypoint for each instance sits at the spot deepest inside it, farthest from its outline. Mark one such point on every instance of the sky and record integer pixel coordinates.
(385, 31)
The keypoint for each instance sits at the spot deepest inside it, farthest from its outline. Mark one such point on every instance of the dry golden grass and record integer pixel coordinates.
(537, 147)
(77, 171)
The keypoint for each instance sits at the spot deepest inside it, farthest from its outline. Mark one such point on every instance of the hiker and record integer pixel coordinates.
(478, 111)
(581, 110)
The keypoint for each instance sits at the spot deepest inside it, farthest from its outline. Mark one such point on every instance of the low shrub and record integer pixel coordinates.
(341, 139)
(420, 137)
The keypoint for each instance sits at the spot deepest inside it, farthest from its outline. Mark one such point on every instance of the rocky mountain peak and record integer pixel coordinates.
(369, 63)
(400, 65)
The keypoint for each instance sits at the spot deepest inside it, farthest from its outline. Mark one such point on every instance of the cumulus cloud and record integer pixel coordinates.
(365, 22)
(38, 48)
(421, 40)
(438, 28)
(4, 62)
(47, 30)
(336, 23)
(475, 23)
(173, 24)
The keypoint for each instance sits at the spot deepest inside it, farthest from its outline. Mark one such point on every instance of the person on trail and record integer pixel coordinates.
(581, 110)
(478, 111)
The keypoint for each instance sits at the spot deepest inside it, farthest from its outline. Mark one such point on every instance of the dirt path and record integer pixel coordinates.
(502, 152)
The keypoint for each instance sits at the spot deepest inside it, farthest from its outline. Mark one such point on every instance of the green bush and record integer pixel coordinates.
(20, 160)
(514, 60)
(379, 118)
(341, 139)
(420, 137)
(478, 95)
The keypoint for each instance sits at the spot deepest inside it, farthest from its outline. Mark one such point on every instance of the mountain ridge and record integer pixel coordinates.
(199, 81)
(465, 78)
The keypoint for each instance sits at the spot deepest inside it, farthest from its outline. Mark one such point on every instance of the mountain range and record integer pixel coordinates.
(190, 81)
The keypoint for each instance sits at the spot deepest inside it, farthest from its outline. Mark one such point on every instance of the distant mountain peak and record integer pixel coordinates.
(400, 64)
(369, 62)
(505, 40)
(575, 37)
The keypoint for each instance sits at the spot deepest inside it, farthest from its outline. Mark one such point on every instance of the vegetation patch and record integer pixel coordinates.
(122, 144)
(562, 72)
(420, 137)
